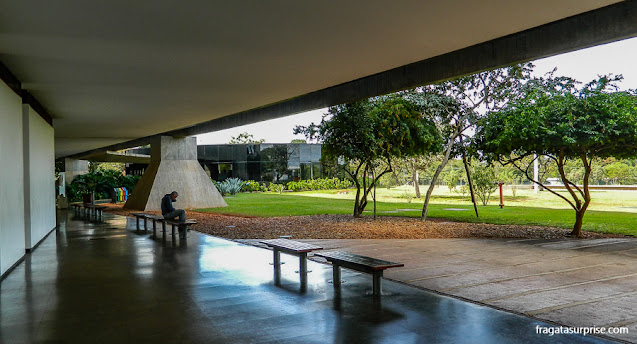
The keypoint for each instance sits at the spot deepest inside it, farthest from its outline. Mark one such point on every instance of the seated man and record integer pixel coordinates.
(167, 209)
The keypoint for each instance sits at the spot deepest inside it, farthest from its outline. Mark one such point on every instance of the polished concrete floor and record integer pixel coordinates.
(575, 282)
(106, 283)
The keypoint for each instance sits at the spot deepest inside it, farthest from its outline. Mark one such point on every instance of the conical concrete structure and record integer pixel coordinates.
(174, 167)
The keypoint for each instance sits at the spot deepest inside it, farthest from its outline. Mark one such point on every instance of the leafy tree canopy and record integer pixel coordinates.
(558, 120)
(364, 132)
(244, 138)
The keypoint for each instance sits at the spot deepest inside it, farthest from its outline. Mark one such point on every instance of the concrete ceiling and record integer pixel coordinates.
(113, 71)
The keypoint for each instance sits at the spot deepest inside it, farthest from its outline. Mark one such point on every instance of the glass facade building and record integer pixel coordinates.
(264, 162)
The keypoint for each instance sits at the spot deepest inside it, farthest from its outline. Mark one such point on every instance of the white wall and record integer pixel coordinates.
(39, 174)
(12, 246)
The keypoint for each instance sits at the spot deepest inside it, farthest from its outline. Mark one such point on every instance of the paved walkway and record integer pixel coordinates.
(107, 283)
(568, 281)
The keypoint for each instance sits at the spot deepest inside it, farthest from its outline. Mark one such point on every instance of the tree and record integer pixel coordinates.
(471, 96)
(275, 159)
(106, 166)
(298, 141)
(409, 170)
(509, 175)
(244, 138)
(617, 172)
(364, 133)
(557, 120)
(452, 179)
(484, 182)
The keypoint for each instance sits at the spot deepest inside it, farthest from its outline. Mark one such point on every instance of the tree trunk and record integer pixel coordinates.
(357, 200)
(357, 210)
(396, 178)
(473, 196)
(445, 159)
(579, 220)
(374, 194)
(415, 179)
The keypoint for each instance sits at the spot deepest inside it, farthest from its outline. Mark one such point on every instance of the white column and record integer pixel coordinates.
(39, 177)
(12, 247)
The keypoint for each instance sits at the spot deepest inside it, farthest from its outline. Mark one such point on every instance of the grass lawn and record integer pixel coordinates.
(526, 209)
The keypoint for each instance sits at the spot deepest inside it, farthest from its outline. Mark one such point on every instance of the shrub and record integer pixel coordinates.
(319, 184)
(251, 185)
(273, 187)
(230, 186)
(101, 183)
(484, 182)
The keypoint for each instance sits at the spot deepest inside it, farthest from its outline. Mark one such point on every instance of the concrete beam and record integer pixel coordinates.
(73, 168)
(110, 156)
(14, 83)
(604, 25)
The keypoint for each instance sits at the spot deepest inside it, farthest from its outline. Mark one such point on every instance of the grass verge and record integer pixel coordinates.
(297, 204)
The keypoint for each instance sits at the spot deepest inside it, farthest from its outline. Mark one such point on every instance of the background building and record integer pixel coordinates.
(265, 162)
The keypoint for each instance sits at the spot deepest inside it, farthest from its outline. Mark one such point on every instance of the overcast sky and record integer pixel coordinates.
(583, 65)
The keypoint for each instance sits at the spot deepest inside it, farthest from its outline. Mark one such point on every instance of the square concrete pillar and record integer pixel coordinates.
(74, 168)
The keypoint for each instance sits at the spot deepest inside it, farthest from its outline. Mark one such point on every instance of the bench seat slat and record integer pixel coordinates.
(148, 216)
(358, 262)
(291, 245)
(177, 222)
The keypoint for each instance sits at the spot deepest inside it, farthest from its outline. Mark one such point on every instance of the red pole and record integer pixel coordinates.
(501, 202)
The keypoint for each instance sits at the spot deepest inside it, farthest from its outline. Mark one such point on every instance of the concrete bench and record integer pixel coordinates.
(369, 265)
(175, 224)
(292, 247)
(90, 209)
(146, 217)
(158, 218)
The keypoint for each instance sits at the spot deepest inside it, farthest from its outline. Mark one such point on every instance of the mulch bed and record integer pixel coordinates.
(348, 227)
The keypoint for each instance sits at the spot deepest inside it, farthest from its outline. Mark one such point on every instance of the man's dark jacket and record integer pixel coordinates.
(167, 204)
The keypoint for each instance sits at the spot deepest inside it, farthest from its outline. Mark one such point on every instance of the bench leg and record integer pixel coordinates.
(145, 224)
(336, 275)
(173, 229)
(154, 228)
(163, 229)
(376, 291)
(277, 267)
(303, 269)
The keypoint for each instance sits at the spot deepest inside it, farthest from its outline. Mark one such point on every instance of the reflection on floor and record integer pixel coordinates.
(107, 283)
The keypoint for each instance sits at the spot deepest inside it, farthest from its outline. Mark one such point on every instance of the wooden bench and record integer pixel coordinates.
(369, 265)
(292, 247)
